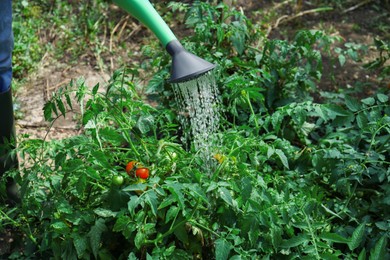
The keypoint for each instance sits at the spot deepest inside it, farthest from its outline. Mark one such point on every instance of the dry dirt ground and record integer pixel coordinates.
(353, 26)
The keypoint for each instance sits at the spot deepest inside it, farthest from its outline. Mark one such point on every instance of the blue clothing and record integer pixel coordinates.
(6, 44)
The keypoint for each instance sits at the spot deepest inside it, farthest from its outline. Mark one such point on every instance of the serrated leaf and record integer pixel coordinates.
(197, 192)
(282, 157)
(181, 233)
(382, 98)
(333, 237)
(95, 235)
(68, 101)
(132, 256)
(295, 241)
(328, 256)
(81, 185)
(95, 89)
(362, 255)
(334, 110)
(105, 213)
(379, 251)
(145, 123)
(175, 188)
(171, 214)
(139, 239)
(111, 136)
(151, 199)
(357, 237)
(222, 249)
(80, 243)
(101, 159)
(342, 59)
(361, 120)
(60, 227)
(225, 195)
(133, 203)
(47, 111)
(246, 188)
(61, 106)
(369, 101)
(352, 103)
(276, 236)
(270, 151)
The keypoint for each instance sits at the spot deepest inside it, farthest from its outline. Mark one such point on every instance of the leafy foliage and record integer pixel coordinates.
(292, 179)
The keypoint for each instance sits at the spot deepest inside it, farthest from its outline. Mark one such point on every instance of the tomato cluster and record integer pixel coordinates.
(133, 169)
(136, 168)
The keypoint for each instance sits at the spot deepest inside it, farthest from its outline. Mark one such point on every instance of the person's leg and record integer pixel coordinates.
(7, 129)
(6, 45)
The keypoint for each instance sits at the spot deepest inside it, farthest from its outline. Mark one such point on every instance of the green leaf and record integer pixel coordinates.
(295, 241)
(379, 251)
(361, 120)
(382, 98)
(197, 192)
(369, 101)
(225, 195)
(171, 214)
(270, 151)
(95, 235)
(105, 213)
(101, 159)
(133, 203)
(328, 256)
(357, 237)
(139, 239)
(61, 106)
(132, 256)
(175, 188)
(111, 136)
(60, 227)
(222, 249)
(68, 101)
(342, 59)
(145, 123)
(181, 233)
(362, 255)
(282, 157)
(334, 110)
(80, 243)
(95, 89)
(333, 237)
(151, 199)
(81, 184)
(246, 188)
(276, 236)
(352, 104)
(47, 111)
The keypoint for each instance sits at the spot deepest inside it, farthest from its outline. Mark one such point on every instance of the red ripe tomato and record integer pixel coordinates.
(143, 173)
(130, 167)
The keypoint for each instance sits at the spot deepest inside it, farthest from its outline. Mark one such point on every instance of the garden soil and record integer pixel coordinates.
(53, 73)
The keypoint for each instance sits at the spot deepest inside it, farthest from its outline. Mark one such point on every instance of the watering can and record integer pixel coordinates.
(185, 65)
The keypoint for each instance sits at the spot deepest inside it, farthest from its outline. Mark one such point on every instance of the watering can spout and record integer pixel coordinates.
(185, 65)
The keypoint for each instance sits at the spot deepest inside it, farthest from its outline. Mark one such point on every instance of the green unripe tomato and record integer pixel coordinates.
(117, 180)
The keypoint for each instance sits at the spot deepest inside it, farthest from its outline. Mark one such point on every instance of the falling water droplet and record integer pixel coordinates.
(198, 98)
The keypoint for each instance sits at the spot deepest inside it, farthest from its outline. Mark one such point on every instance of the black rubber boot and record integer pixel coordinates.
(7, 143)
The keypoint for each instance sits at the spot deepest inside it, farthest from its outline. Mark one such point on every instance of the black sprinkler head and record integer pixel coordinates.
(185, 65)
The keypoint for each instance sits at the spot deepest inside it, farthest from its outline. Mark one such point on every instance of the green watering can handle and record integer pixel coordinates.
(146, 14)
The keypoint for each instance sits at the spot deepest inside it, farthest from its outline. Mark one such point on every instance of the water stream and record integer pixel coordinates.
(199, 102)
